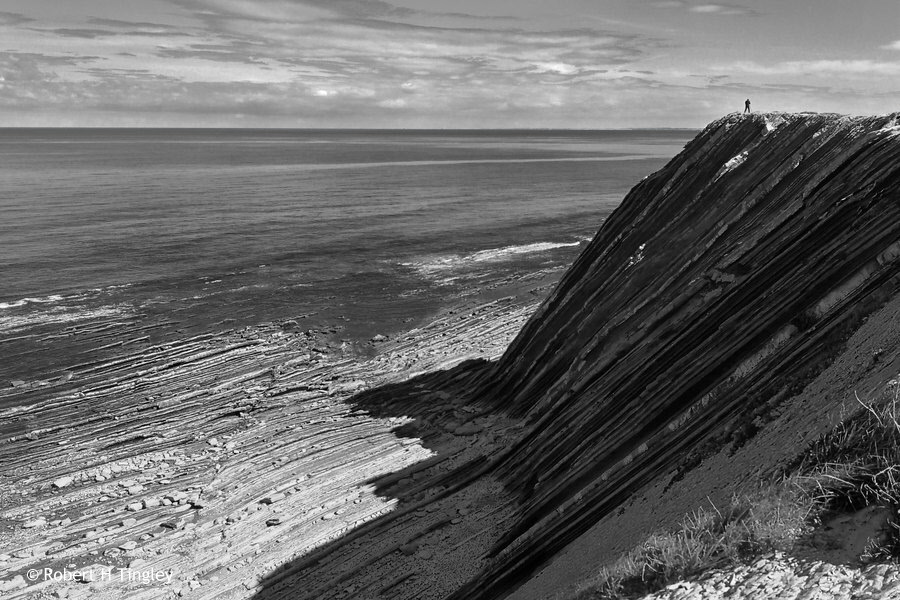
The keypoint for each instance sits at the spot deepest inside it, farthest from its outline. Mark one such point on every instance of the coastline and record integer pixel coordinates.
(216, 462)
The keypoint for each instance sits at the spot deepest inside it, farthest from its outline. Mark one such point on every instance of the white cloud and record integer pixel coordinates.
(704, 9)
(560, 68)
(718, 9)
(815, 67)
(892, 46)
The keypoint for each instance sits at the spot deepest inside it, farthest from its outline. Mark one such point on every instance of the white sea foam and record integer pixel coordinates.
(58, 314)
(431, 266)
(60, 298)
(40, 300)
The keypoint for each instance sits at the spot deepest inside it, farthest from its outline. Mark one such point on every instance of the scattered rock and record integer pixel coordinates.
(12, 584)
(409, 549)
(273, 498)
(250, 583)
(39, 522)
(273, 522)
(63, 482)
(175, 497)
(53, 548)
(135, 506)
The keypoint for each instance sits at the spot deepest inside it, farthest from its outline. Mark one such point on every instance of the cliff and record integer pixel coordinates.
(721, 286)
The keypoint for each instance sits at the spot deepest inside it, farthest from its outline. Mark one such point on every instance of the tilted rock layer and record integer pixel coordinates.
(721, 286)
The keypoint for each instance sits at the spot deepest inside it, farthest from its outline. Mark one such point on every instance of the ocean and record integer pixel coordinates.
(188, 232)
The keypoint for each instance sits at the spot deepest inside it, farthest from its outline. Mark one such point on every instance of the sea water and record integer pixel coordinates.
(204, 230)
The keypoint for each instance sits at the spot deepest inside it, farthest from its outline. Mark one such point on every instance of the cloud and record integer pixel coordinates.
(560, 68)
(705, 9)
(892, 46)
(133, 25)
(112, 27)
(77, 33)
(354, 63)
(373, 48)
(720, 9)
(11, 18)
(235, 52)
(315, 63)
(297, 10)
(27, 67)
(815, 67)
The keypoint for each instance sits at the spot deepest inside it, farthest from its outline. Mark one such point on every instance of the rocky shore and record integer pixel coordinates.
(219, 465)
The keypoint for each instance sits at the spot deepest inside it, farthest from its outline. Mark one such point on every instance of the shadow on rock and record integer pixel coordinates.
(435, 511)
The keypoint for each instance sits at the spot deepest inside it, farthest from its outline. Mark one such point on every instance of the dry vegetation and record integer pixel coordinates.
(854, 466)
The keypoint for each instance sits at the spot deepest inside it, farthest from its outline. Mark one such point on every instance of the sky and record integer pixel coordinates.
(575, 64)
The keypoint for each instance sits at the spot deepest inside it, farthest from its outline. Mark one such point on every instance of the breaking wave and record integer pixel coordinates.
(22, 302)
(434, 265)
(58, 315)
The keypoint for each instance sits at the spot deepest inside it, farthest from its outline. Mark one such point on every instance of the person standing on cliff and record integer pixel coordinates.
(747, 105)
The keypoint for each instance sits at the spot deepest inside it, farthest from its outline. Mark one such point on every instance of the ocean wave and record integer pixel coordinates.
(440, 264)
(40, 300)
(62, 298)
(57, 315)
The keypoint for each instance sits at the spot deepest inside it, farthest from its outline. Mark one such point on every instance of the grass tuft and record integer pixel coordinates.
(855, 465)
(769, 520)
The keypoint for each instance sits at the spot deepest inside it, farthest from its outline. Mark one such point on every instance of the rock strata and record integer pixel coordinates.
(212, 462)
(719, 287)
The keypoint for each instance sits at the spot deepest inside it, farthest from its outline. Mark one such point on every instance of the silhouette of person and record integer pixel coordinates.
(747, 105)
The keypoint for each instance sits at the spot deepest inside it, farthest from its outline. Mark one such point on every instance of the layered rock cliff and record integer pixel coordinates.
(721, 286)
